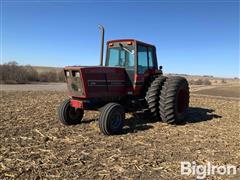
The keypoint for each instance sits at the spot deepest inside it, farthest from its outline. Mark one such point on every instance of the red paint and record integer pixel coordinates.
(105, 75)
(128, 40)
(76, 104)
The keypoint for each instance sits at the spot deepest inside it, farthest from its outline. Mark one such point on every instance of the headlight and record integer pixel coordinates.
(67, 73)
(77, 74)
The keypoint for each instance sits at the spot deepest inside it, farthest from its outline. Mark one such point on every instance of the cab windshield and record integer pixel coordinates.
(121, 57)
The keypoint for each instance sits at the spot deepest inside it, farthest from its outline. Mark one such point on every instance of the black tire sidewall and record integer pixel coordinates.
(182, 86)
(120, 112)
(105, 118)
(65, 116)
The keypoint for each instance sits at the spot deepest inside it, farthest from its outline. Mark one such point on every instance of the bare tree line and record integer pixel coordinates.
(200, 82)
(12, 73)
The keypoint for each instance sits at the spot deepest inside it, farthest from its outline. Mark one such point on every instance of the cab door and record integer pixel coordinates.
(145, 66)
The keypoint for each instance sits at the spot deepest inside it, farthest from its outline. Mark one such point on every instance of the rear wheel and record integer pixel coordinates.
(153, 96)
(69, 115)
(111, 119)
(174, 99)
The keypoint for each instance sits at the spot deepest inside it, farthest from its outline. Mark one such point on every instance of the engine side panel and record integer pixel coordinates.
(96, 82)
(104, 81)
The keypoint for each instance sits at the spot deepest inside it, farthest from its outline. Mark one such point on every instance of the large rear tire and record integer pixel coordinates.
(69, 115)
(153, 96)
(174, 100)
(111, 119)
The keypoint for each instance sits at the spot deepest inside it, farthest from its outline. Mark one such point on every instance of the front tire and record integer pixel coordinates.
(69, 115)
(111, 119)
(174, 100)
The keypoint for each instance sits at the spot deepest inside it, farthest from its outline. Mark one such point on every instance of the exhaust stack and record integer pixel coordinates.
(102, 44)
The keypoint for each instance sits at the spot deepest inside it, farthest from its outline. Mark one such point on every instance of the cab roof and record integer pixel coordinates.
(124, 40)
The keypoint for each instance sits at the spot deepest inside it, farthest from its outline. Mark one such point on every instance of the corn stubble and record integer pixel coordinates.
(35, 145)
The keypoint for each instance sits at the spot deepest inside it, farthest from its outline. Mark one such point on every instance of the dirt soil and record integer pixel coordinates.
(224, 91)
(35, 145)
(34, 87)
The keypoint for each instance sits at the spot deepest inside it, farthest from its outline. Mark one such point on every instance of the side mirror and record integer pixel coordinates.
(160, 67)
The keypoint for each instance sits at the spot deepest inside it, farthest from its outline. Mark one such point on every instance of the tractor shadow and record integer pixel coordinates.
(88, 121)
(198, 114)
(142, 122)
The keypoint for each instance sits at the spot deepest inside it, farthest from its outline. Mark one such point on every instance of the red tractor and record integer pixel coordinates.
(130, 81)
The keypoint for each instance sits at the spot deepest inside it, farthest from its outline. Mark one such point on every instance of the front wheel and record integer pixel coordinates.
(111, 119)
(69, 115)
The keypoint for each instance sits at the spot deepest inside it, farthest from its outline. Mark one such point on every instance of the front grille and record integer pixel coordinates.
(75, 84)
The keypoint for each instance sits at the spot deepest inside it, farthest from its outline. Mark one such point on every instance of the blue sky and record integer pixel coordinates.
(192, 37)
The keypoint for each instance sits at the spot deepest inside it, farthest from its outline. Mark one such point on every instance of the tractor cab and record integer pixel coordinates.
(138, 58)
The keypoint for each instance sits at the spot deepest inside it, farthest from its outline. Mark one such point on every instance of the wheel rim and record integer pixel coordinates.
(181, 101)
(74, 113)
(116, 121)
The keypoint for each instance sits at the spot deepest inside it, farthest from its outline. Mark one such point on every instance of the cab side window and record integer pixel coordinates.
(150, 57)
(142, 59)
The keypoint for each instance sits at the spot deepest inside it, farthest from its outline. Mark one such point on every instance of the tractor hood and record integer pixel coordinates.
(95, 81)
